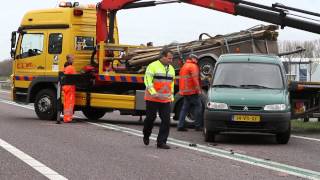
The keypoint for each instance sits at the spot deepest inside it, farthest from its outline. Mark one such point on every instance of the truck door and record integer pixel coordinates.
(30, 57)
(56, 55)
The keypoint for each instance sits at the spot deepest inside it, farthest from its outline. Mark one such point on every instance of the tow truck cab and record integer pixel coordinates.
(39, 48)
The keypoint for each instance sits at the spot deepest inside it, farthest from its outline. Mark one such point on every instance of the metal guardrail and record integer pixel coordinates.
(5, 85)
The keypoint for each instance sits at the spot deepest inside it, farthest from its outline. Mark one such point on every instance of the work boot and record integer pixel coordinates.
(146, 140)
(163, 146)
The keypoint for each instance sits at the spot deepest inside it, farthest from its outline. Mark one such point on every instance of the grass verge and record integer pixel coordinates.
(3, 78)
(305, 127)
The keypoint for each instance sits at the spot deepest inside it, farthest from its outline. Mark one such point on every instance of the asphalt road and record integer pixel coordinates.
(113, 149)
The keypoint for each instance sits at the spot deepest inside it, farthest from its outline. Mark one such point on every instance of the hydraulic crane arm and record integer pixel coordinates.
(276, 14)
(110, 7)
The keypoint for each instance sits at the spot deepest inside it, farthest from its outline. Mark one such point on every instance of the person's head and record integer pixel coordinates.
(166, 56)
(69, 58)
(193, 57)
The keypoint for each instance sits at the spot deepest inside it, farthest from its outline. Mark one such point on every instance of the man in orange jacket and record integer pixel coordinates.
(69, 91)
(190, 89)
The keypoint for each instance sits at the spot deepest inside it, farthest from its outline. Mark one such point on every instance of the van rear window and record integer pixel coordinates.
(84, 43)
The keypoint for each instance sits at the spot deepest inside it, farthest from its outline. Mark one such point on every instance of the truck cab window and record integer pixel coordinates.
(55, 43)
(84, 43)
(31, 45)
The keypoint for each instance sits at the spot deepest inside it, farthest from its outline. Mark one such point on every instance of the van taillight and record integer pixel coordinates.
(78, 12)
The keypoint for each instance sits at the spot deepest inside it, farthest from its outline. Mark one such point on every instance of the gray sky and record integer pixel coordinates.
(162, 24)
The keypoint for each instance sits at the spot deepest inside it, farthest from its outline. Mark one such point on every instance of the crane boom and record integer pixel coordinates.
(276, 14)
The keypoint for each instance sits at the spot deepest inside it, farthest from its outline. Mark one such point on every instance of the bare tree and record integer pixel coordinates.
(6, 68)
(312, 48)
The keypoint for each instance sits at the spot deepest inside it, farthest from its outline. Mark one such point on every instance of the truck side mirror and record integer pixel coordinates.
(13, 43)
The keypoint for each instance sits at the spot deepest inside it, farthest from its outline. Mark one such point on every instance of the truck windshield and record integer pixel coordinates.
(248, 75)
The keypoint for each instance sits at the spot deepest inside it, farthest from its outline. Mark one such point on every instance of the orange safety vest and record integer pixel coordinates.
(159, 81)
(189, 79)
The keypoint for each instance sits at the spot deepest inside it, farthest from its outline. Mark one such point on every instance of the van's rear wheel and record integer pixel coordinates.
(93, 113)
(45, 104)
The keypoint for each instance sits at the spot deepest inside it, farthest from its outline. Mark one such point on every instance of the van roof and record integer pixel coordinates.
(259, 58)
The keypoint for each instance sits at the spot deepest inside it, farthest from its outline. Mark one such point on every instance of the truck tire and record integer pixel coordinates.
(93, 113)
(283, 138)
(206, 66)
(45, 104)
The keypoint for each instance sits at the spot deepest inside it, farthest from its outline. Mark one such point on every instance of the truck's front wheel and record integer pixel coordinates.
(45, 104)
(93, 113)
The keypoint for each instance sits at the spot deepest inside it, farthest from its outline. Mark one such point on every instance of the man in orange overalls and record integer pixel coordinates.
(69, 91)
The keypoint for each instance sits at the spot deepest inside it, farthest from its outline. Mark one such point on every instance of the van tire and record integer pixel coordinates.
(93, 113)
(283, 138)
(45, 104)
(209, 136)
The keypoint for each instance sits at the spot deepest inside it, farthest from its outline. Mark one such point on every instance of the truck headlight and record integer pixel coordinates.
(275, 107)
(215, 105)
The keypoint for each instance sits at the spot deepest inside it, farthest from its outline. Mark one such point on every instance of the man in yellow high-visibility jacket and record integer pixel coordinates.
(159, 82)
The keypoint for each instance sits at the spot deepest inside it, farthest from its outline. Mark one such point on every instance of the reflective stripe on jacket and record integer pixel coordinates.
(159, 82)
(189, 78)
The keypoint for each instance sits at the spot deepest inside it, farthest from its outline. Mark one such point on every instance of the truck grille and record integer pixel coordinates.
(243, 108)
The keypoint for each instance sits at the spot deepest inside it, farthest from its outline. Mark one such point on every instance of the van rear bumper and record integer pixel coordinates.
(221, 121)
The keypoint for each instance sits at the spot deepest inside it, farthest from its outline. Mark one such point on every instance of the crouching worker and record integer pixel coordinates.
(69, 91)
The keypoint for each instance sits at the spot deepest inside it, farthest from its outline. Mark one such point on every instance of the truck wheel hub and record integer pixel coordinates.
(206, 69)
(44, 104)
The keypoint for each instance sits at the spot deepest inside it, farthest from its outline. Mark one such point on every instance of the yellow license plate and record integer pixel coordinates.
(246, 118)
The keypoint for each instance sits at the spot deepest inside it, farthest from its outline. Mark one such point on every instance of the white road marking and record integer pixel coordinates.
(306, 138)
(16, 104)
(41, 168)
(296, 171)
(32, 108)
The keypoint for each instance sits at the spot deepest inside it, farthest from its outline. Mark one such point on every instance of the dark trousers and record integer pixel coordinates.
(151, 115)
(191, 103)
